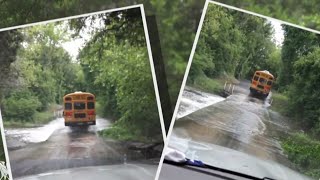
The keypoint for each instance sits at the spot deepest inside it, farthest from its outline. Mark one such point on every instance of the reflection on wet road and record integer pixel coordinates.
(117, 172)
(54, 147)
(236, 134)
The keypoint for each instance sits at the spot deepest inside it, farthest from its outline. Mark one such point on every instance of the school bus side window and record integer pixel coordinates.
(256, 78)
(90, 105)
(67, 106)
(269, 83)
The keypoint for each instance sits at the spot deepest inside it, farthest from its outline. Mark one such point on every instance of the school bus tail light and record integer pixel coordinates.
(68, 114)
(91, 113)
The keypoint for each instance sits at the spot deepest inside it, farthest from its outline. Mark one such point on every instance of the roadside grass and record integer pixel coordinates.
(38, 119)
(280, 103)
(124, 133)
(43, 117)
(302, 149)
(209, 85)
(304, 152)
(121, 134)
(99, 109)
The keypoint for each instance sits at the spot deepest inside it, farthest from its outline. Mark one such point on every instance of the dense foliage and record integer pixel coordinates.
(303, 151)
(40, 67)
(304, 94)
(117, 69)
(233, 44)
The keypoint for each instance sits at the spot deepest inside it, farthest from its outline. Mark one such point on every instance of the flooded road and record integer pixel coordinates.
(52, 147)
(193, 100)
(117, 172)
(238, 133)
(18, 137)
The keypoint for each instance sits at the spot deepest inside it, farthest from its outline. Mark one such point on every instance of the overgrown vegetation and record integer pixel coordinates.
(232, 44)
(208, 85)
(280, 103)
(41, 72)
(113, 64)
(304, 152)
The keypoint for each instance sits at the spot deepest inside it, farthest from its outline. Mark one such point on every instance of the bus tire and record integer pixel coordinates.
(265, 96)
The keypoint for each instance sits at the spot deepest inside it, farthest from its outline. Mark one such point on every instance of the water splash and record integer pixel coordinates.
(193, 100)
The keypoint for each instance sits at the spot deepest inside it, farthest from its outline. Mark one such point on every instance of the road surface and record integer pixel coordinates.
(238, 133)
(34, 151)
(117, 172)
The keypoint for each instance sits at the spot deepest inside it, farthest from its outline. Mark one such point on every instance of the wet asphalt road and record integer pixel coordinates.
(118, 172)
(238, 133)
(52, 147)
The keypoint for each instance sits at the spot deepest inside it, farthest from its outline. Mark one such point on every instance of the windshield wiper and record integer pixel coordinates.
(178, 158)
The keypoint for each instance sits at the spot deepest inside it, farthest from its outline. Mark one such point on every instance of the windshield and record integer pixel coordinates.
(244, 129)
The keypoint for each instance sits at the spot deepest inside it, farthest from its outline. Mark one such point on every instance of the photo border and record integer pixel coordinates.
(194, 46)
(151, 63)
(5, 148)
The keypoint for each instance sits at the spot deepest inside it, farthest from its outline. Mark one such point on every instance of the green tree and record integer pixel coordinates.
(220, 44)
(21, 105)
(297, 43)
(303, 92)
(257, 43)
(116, 66)
(9, 45)
(233, 44)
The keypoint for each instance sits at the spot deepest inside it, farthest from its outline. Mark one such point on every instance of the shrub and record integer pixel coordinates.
(20, 105)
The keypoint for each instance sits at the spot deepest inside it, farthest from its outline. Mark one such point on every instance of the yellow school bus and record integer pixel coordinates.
(261, 83)
(79, 109)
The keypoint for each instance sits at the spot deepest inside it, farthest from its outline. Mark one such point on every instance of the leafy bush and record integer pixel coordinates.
(280, 103)
(124, 88)
(207, 84)
(304, 92)
(122, 133)
(4, 174)
(304, 152)
(21, 105)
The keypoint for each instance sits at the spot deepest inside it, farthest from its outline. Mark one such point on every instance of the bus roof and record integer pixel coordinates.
(78, 92)
(265, 72)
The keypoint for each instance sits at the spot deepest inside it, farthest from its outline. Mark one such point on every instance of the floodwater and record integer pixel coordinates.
(41, 134)
(193, 100)
(42, 150)
(238, 133)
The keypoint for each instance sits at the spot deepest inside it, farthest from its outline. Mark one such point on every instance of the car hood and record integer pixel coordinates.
(117, 172)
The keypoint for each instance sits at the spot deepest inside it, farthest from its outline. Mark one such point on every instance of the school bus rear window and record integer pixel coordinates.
(90, 105)
(262, 80)
(79, 105)
(67, 106)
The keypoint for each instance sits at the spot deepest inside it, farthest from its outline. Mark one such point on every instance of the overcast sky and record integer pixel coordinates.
(74, 46)
(278, 36)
